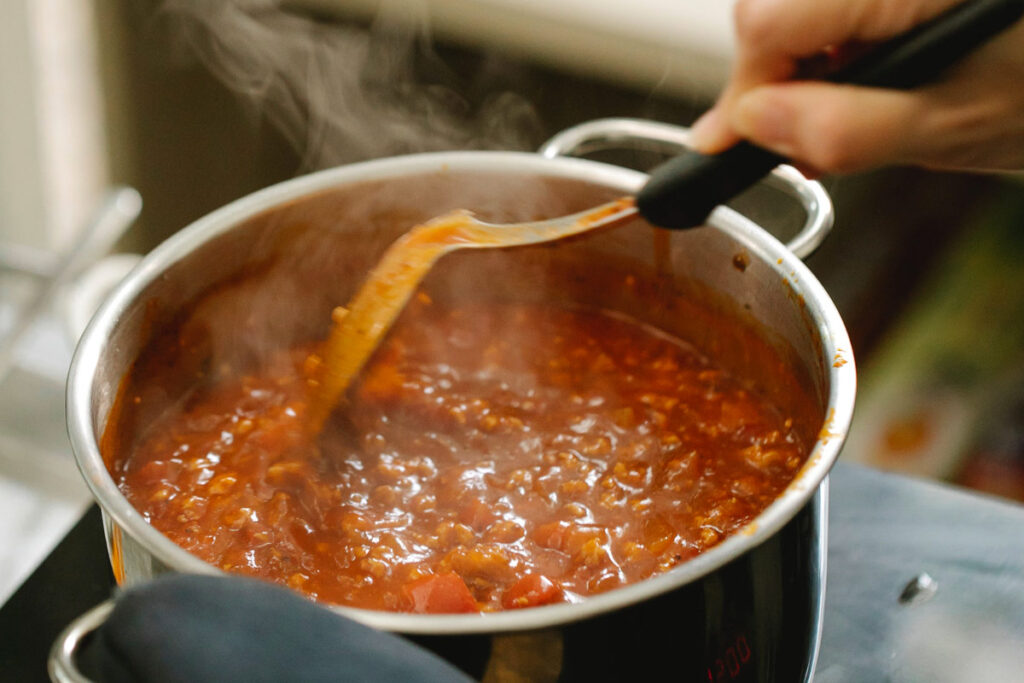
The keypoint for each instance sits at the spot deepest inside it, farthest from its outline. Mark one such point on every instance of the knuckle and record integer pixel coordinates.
(830, 143)
(752, 20)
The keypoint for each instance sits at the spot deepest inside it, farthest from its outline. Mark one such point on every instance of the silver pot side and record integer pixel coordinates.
(776, 288)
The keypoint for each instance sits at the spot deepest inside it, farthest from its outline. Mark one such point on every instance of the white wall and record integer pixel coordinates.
(52, 149)
(22, 209)
(681, 48)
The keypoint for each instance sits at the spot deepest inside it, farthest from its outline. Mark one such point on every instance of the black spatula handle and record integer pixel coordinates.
(684, 190)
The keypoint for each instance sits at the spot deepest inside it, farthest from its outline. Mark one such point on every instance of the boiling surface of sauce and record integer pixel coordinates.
(362, 326)
(491, 457)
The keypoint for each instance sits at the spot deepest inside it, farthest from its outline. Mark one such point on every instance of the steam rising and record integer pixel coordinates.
(341, 93)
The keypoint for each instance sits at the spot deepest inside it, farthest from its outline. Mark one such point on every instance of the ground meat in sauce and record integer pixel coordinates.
(490, 457)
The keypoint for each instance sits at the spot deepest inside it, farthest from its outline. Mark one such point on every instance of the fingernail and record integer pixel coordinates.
(706, 130)
(762, 118)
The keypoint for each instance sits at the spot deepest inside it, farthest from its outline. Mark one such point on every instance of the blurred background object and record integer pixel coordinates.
(53, 170)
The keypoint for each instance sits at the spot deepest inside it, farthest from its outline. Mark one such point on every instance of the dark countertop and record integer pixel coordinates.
(966, 624)
(884, 530)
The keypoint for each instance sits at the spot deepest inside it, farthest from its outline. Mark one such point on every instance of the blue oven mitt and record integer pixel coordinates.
(207, 628)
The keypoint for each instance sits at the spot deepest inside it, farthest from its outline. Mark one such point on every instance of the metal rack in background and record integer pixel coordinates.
(116, 213)
(41, 314)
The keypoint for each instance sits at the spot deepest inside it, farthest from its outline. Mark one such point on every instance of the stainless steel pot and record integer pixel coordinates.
(733, 262)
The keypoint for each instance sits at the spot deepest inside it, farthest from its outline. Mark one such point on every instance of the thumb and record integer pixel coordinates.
(832, 128)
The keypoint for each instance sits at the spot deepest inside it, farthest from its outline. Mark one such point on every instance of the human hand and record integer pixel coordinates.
(971, 119)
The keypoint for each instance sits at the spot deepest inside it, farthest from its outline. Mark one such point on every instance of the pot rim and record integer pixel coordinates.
(836, 354)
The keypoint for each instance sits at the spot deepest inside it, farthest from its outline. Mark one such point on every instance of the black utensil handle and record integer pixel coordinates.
(926, 51)
(684, 190)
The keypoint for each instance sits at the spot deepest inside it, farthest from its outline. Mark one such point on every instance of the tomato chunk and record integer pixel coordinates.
(440, 594)
(532, 590)
(478, 514)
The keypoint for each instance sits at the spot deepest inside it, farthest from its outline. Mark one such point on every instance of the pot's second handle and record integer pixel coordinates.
(61, 664)
(618, 133)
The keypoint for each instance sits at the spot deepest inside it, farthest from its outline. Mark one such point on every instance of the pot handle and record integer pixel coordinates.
(61, 662)
(665, 138)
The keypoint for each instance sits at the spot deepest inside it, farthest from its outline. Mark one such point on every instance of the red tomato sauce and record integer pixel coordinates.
(490, 457)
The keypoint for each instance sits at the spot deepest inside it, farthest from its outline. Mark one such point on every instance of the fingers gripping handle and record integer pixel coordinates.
(684, 190)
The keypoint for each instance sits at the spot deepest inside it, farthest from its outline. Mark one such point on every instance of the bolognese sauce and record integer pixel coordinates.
(492, 456)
